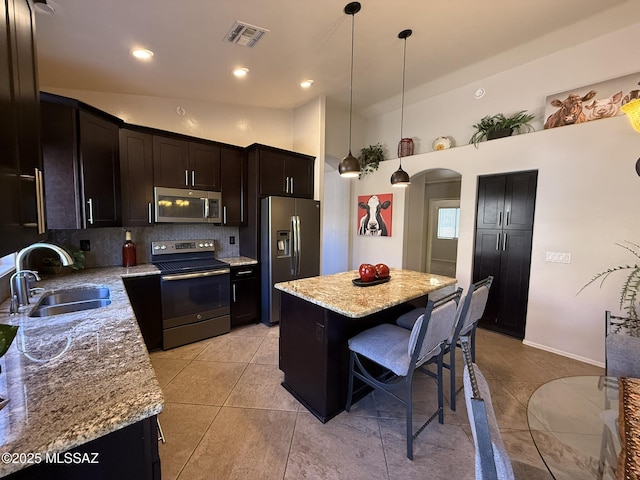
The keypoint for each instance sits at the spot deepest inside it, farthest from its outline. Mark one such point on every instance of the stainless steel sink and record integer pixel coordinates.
(73, 300)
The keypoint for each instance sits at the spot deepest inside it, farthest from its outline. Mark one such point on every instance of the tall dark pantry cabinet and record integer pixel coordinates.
(504, 228)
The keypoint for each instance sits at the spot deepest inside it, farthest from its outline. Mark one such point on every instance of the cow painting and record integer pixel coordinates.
(569, 110)
(374, 213)
(609, 107)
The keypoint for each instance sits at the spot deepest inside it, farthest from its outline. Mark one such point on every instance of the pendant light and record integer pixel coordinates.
(400, 178)
(350, 166)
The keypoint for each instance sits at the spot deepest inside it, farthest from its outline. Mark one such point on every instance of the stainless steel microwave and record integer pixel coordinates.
(180, 205)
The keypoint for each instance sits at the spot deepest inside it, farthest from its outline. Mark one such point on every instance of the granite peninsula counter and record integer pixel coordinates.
(77, 378)
(319, 314)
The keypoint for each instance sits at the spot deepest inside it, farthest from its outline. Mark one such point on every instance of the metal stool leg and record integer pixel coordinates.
(160, 432)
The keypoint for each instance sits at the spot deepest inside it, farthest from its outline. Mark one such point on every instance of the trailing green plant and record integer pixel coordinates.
(631, 285)
(370, 158)
(489, 124)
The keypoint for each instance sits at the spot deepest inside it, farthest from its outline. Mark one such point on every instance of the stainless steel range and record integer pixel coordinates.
(195, 291)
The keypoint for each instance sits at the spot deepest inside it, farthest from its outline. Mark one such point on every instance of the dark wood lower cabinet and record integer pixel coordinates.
(144, 296)
(506, 309)
(245, 295)
(131, 452)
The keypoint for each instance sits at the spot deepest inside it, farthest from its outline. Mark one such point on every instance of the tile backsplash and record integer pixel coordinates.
(106, 243)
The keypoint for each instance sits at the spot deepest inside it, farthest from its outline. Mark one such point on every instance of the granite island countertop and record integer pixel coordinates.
(337, 292)
(75, 377)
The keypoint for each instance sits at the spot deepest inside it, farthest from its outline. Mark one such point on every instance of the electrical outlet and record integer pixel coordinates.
(558, 257)
(85, 245)
(232, 240)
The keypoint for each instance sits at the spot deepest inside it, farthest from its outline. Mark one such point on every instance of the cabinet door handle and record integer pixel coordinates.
(291, 192)
(504, 241)
(90, 203)
(506, 221)
(234, 292)
(150, 213)
(244, 272)
(40, 201)
(286, 185)
(193, 178)
(224, 215)
(497, 241)
(499, 218)
(186, 177)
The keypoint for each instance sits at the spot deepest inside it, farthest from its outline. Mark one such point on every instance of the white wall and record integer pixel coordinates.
(587, 193)
(235, 125)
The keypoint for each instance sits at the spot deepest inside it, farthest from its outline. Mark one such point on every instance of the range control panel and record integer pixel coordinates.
(182, 246)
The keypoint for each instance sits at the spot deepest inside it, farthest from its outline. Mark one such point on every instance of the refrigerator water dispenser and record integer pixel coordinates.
(283, 243)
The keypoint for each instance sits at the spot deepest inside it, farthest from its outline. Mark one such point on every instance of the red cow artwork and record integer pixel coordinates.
(374, 215)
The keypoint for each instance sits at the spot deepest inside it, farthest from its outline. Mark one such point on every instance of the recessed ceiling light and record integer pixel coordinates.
(306, 83)
(142, 53)
(240, 72)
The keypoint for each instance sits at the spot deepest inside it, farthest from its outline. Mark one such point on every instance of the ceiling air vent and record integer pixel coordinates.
(244, 34)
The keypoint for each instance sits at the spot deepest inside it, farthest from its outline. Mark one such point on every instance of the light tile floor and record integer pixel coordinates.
(226, 416)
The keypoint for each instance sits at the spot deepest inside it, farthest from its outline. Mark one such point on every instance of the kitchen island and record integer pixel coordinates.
(83, 396)
(320, 314)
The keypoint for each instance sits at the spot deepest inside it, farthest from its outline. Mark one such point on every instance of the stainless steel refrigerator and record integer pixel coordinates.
(290, 247)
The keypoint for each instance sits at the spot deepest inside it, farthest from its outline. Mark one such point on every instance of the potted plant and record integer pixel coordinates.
(7, 334)
(52, 265)
(370, 158)
(497, 126)
(631, 285)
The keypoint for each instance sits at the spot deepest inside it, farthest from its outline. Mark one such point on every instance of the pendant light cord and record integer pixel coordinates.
(404, 61)
(353, 23)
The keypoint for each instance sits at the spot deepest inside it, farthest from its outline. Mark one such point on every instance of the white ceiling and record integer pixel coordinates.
(85, 45)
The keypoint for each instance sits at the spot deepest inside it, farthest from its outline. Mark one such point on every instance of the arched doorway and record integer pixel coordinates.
(431, 215)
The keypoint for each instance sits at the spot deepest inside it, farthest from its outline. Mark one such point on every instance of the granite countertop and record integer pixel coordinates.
(338, 293)
(75, 377)
(238, 261)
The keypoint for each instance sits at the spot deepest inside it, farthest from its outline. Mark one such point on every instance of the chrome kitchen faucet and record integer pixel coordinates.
(20, 290)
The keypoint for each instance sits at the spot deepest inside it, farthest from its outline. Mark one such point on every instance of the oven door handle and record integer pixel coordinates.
(187, 276)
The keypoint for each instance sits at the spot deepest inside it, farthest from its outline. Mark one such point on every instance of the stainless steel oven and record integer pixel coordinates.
(195, 290)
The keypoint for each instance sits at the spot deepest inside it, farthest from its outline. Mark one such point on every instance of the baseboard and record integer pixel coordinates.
(564, 354)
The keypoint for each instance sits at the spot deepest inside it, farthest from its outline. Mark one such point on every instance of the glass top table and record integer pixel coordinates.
(573, 422)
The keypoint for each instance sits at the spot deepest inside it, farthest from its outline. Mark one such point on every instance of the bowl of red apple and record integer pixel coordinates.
(370, 274)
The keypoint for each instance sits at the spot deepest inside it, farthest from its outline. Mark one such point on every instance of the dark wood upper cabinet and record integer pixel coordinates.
(180, 163)
(21, 193)
(506, 201)
(170, 162)
(82, 165)
(233, 173)
(204, 161)
(283, 173)
(136, 177)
